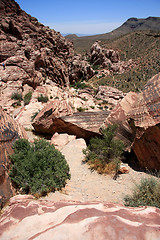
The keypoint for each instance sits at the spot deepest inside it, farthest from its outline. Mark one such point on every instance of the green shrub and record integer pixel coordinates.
(80, 109)
(27, 98)
(34, 115)
(16, 96)
(147, 193)
(16, 104)
(104, 154)
(80, 85)
(38, 167)
(42, 99)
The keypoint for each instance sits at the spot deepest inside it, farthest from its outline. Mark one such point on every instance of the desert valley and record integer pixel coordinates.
(79, 129)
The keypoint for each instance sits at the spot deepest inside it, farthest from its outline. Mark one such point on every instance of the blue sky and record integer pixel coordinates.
(88, 16)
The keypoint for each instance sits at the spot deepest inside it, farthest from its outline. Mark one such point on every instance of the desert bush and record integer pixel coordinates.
(80, 109)
(27, 98)
(34, 115)
(42, 99)
(16, 96)
(16, 104)
(80, 85)
(38, 167)
(104, 154)
(146, 193)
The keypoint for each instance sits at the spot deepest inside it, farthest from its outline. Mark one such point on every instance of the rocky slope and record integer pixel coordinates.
(34, 55)
(26, 218)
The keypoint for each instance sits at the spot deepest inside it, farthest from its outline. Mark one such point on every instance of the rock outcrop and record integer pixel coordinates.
(108, 59)
(58, 116)
(138, 116)
(145, 122)
(79, 69)
(26, 218)
(109, 94)
(119, 116)
(10, 131)
(30, 50)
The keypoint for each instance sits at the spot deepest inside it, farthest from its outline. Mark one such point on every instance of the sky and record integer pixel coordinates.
(88, 16)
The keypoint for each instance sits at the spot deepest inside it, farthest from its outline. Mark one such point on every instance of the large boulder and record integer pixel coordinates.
(119, 116)
(27, 218)
(138, 117)
(10, 131)
(59, 116)
(145, 121)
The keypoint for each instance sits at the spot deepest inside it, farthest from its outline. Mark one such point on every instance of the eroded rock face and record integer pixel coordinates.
(67, 220)
(10, 131)
(145, 116)
(30, 49)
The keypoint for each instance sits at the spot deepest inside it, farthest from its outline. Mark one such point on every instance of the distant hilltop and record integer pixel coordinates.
(131, 25)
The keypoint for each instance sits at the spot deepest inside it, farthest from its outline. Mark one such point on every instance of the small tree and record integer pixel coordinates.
(104, 154)
(38, 167)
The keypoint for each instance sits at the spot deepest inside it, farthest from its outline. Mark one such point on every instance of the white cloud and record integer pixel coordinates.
(90, 27)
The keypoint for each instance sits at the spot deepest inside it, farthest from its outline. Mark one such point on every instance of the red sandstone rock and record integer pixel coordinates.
(79, 69)
(110, 94)
(145, 116)
(119, 116)
(10, 131)
(58, 116)
(26, 218)
(60, 140)
(45, 120)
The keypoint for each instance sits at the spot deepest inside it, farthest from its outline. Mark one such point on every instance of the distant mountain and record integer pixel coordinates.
(131, 25)
(71, 36)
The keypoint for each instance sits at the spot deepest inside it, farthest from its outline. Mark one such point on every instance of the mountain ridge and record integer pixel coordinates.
(132, 24)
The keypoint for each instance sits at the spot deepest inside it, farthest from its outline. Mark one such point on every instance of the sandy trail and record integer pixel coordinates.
(91, 186)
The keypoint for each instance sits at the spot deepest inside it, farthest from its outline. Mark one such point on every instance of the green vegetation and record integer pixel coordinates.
(16, 104)
(16, 96)
(27, 98)
(140, 46)
(147, 193)
(80, 109)
(34, 115)
(104, 154)
(38, 168)
(42, 99)
(80, 85)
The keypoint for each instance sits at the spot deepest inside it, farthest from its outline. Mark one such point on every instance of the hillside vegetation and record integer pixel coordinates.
(142, 46)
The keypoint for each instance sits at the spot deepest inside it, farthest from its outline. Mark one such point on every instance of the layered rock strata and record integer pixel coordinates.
(26, 218)
(145, 122)
(58, 116)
